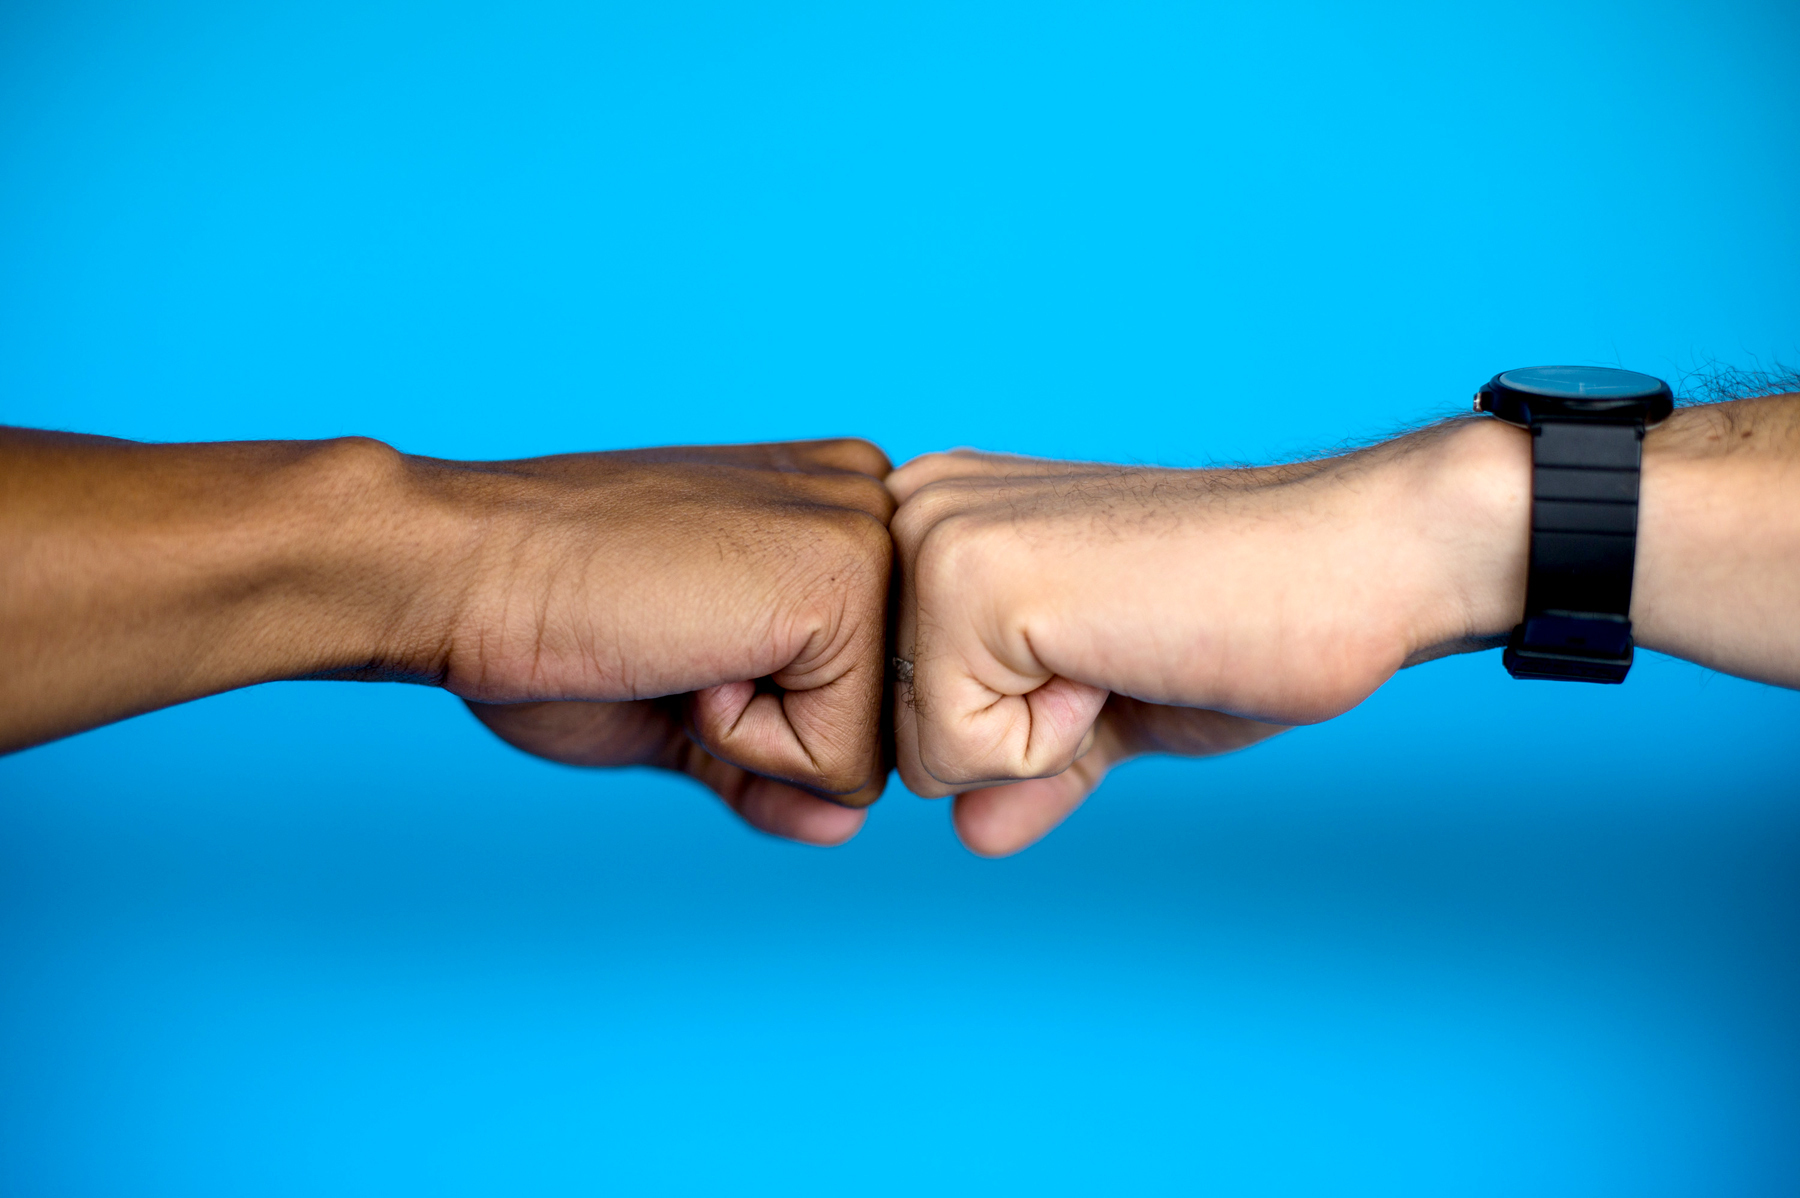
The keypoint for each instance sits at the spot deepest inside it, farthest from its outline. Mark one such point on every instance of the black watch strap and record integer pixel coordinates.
(1584, 501)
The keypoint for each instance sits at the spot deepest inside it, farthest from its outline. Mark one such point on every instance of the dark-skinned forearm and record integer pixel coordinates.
(136, 576)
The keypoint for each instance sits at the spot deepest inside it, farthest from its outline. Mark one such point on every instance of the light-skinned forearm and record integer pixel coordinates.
(1718, 556)
(1058, 614)
(1718, 566)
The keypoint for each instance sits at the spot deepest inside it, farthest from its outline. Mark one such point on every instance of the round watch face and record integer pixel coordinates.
(1581, 382)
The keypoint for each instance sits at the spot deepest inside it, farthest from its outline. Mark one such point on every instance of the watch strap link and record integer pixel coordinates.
(1584, 500)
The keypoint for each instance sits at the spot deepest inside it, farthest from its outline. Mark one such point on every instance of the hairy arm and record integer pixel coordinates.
(1062, 617)
(1718, 566)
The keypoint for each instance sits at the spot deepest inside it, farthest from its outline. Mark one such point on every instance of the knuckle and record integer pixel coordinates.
(923, 516)
(930, 464)
(870, 455)
(851, 548)
(861, 492)
(923, 470)
(929, 468)
(953, 553)
(853, 453)
(859, 535)
(1006, 742)
(878, 500)
(908, 527)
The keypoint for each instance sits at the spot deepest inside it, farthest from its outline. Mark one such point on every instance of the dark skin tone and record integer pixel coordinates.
(717, 611)
(723, 612)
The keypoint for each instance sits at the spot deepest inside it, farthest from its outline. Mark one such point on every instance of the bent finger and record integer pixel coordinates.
(649, 732)
(997, 821)
(826, 740)
(792, 814)
(769, 804)
(929, 468)
(858, 492)
(837, 455)
(830, 455)
(853, 454)
(776, 807)
(969, 731)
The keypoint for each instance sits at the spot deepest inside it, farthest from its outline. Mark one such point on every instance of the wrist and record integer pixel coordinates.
(323, 562)
(383, 562)
(321, 559)
(1466, 495)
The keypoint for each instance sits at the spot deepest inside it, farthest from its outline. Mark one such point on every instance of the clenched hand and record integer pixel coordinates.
(717, 611)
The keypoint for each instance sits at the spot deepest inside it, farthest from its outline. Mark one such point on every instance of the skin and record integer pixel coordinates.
(1057, 618)
(721, 611)
(715, 611)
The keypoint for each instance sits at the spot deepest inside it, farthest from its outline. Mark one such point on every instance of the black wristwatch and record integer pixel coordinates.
(1587, 429)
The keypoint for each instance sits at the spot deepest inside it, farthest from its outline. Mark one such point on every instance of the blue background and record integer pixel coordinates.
(1475, 937)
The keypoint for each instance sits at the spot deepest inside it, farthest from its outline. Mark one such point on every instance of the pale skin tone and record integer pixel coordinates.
(716, 611)
(1058, 618)
(723, 612)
